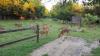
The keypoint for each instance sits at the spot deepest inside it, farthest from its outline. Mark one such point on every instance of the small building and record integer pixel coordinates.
(76, 20)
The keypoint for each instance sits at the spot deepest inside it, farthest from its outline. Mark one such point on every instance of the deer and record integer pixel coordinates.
(63, 30)
(45, 30)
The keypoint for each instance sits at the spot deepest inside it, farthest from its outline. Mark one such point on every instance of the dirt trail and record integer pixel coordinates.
(70, 46)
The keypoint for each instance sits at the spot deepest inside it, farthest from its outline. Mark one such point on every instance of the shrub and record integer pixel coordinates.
(90, 19)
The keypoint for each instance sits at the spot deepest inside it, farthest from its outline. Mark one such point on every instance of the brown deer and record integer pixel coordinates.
(63, 30)
(45, 30)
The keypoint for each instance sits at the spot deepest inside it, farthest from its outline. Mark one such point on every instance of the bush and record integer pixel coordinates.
(90, 19)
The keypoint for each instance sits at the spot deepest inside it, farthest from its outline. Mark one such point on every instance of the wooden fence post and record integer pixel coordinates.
(37, 32)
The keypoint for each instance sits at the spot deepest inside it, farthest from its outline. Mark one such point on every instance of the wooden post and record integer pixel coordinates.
(37, 32)
(81, 23)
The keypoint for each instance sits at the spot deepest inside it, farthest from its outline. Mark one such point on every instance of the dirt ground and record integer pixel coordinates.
(66, 46)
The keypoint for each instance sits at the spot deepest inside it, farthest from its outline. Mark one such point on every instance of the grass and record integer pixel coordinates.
(96, 52)
(24, 48)
(89, 34)
(45, 55)
(7, 37)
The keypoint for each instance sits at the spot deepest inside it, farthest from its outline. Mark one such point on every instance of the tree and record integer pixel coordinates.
(64, 14)
(39, 11)
(78, 8)
(95, 2)
(17, 8)
(46, 12)
(67, 10)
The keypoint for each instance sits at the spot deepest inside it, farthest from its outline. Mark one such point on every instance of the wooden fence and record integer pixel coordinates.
(15, 30)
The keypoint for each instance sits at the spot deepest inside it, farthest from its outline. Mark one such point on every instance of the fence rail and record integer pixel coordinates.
(15, 30)
(5, 44)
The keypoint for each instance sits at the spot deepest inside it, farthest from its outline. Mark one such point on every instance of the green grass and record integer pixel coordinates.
(7, 37)
(96, 52)
(24, 48)
(89, 34)
(45, 55)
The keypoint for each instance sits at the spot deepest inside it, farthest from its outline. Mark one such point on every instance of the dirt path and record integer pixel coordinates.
(70, 46)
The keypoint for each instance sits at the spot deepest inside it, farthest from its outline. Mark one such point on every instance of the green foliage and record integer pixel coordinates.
(37, 2)
(90, 19)
(45, 55)
(67, 10)
(17, 8)
(62, 12)
(87, 10)
(96, 2)
(93, 7)
(96, 52)
(39, 12)
(24, 0)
